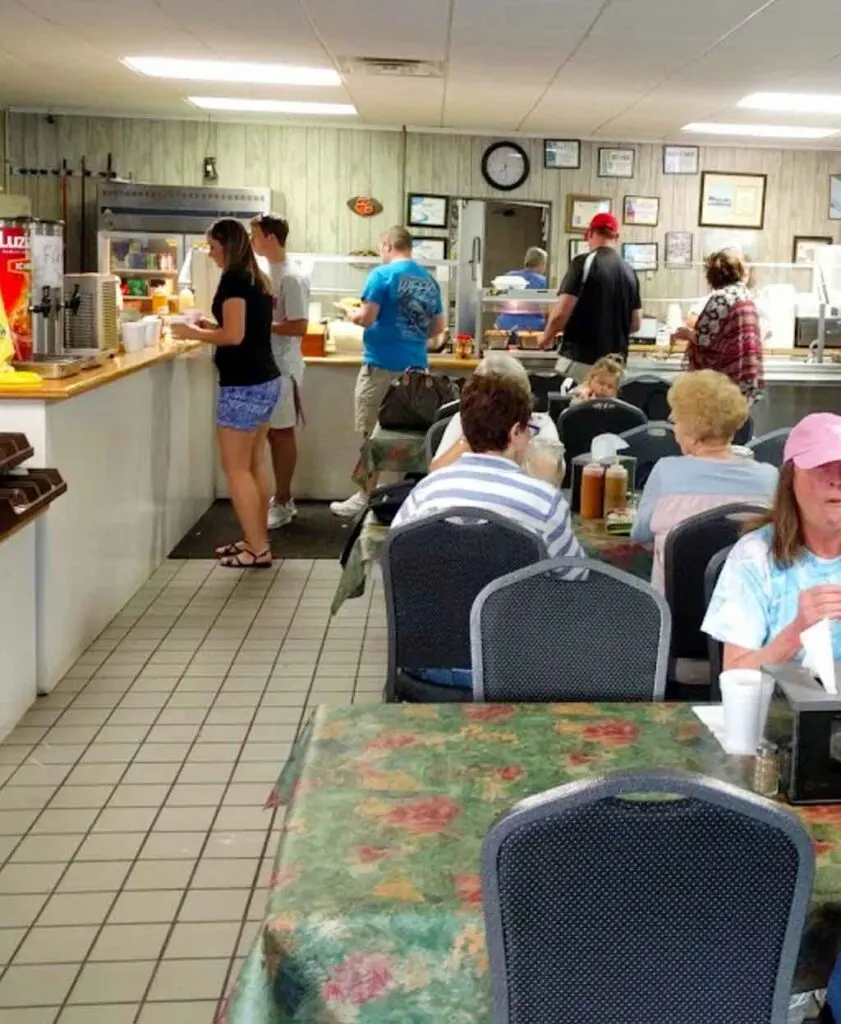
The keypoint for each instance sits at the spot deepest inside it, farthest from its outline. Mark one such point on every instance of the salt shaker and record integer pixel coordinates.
(766, 771)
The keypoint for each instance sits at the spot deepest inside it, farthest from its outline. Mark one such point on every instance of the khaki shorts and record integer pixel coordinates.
(371, 386)
(286, 412)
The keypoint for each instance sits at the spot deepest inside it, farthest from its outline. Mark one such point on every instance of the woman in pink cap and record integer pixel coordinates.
(785, 576)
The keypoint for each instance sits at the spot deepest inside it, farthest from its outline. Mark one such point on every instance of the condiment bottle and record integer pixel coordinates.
(766, 771)
(160, 300)
(615, 487)
(592, 491)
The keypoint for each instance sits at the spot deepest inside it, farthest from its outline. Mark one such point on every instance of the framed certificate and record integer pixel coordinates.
(425, 211)
(681, 159)
(641, 255)
(616, 163)
(560, 154)
(679, 245)
(835, 197)
(804, 247)
(644, 211)
(427, 247)
(577, 247)
(732, 200)
(582, 209)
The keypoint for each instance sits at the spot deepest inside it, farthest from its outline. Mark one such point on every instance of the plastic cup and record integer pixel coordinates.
(746, 697)
(545, 460)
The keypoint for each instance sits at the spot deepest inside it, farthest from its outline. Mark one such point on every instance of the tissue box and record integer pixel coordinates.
(580, 461)
(805, 723)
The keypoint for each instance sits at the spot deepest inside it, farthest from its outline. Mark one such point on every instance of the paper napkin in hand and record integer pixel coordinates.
(818, 658)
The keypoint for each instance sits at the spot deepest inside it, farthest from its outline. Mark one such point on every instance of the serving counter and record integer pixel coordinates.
(329, 448)
(134, 442)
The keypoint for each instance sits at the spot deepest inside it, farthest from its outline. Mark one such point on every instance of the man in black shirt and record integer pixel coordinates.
(598, 305)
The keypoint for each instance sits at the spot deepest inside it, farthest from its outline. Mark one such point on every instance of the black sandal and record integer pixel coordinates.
(230, 550)
(236, 562)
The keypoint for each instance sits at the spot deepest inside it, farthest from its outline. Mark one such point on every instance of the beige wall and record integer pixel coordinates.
(314, 171)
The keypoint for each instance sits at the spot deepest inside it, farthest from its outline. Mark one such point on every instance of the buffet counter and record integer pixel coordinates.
(134, 442)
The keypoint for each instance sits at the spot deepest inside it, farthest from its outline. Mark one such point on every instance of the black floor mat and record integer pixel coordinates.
(315, 533)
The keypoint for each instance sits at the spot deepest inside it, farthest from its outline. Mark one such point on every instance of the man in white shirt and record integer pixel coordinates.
(289, 325)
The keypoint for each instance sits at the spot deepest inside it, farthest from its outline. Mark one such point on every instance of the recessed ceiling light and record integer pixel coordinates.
(273, 106)
(231, 71)
(792, 102)
(761, 131)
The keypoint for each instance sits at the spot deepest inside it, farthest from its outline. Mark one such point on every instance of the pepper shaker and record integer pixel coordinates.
(766, 770)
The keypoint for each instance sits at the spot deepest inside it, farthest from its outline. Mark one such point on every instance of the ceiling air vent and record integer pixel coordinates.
(392, 67)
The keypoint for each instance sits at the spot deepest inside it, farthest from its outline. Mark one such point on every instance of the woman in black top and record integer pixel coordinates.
(249, 385)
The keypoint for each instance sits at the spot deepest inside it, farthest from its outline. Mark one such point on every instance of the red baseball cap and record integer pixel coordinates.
(605, 222)
(815, 441)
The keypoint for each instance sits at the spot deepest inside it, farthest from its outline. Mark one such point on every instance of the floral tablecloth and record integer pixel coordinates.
(618, 551)
(394, 451)
(375, 911)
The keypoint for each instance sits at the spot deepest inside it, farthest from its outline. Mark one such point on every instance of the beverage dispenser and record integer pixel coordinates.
(32, 284)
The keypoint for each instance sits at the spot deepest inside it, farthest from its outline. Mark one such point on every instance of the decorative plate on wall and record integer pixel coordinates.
(365, 206)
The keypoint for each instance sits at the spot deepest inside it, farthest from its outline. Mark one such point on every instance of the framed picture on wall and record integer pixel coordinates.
(616, 163)
(748, 243)
(644, 211)
(835, 197)
(578, 247)
(427, 247)
(561, 154)
(678, 249)
(681, 159)
(731, 200)
(425, 211)
(582, 209)
(641, 255)
(803, 250)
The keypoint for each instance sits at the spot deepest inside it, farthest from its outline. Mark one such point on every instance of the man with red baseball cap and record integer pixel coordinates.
(598, 305)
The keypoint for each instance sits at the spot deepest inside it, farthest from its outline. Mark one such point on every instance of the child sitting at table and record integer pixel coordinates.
(603, 381)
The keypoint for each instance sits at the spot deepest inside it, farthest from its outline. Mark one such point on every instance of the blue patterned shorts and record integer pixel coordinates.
(247, 408)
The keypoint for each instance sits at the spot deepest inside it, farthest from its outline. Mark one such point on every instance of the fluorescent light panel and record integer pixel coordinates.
(273, 106)
(231, 71)
(792, 102)
(760, 131)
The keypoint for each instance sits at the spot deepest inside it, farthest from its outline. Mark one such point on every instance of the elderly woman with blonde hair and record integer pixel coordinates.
(707, 410)
(454, 444)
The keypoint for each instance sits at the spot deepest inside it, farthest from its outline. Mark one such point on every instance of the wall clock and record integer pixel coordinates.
(505, 166)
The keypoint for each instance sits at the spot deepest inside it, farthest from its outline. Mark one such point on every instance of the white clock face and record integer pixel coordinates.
(506, 166)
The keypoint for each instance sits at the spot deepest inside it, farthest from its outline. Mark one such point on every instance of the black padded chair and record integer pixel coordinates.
(557, 403)
(648, 444)
(681, 908)
(745, 432)
(433, 569)
(579, 424)
(647, 392)
(689, 548)
(434, 436)
(542, 384)
(521, 652)
(448, 410)
(770, 447)
(715, 647)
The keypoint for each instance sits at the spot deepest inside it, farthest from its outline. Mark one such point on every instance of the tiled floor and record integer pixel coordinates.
(135, 849)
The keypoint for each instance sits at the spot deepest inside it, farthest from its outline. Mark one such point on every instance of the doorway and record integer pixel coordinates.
(511, 229)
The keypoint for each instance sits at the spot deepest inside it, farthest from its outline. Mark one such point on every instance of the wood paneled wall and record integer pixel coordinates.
(314, 171)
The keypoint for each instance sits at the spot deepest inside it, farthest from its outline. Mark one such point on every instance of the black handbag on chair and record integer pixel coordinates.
(414, 398)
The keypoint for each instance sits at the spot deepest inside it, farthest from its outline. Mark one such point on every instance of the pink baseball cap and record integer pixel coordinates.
(815, 441)
(605, 222)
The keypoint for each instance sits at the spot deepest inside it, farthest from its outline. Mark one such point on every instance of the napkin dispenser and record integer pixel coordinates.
(805, 723)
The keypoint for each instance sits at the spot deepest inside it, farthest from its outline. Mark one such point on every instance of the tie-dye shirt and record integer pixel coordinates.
(756, 599)
(683, 486)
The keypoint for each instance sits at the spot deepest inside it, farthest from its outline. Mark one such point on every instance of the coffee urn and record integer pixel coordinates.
(32, 284)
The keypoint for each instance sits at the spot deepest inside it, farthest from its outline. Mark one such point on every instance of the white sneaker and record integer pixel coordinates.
(351, 508)
(281, 514)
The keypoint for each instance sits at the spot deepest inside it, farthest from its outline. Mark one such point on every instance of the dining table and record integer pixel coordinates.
(374, 913)
(390, 451)
(619, 551)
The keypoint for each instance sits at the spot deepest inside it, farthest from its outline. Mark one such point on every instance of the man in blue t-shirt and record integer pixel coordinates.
(534, 272)
(401, 310)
